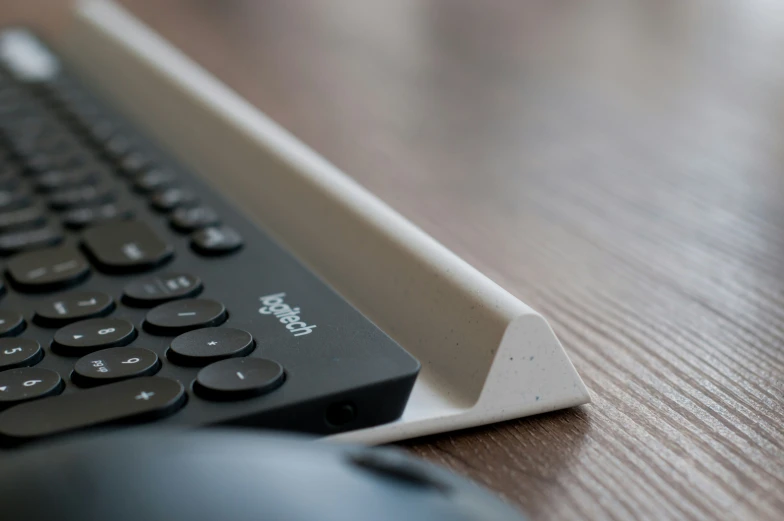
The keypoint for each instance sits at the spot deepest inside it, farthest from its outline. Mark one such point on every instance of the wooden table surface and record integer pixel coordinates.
(617, 165)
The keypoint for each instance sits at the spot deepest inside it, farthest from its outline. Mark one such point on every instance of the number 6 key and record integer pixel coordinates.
(28, 383)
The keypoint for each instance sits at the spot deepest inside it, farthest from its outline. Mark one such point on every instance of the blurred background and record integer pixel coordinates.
(616, 165)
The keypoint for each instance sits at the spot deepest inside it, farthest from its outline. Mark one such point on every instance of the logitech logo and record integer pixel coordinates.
(274, 305)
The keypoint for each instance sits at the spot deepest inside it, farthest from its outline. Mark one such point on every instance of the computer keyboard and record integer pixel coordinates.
(134, 292)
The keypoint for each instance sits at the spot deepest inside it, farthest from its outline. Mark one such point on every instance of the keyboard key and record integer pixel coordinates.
(115, 364)
(19, 352)
(11, 323)
(59, 142)
(48, 269)
(14, 199)
(90, 335)
(126, 246)
(79, 218)
(187, 220)
(118, 146)
(216, 240)
(239, 378)
(138, 399)
(157, 289)
(171, 198)
(81, 196)
(15, 242)
(30, 217)
(28, 383)
(9, 176)
(62, 179)
(35, 162)
(40, 163)
(180, 316)
(154, 180)
(81, 108)
(100, 130)
(133, 164)
(72, 307)
(208, 345)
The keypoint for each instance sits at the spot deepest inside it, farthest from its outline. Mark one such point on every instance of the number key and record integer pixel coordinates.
(114, 364)
(19, 352)
(27, 383)
(93, 334)
(72, 307)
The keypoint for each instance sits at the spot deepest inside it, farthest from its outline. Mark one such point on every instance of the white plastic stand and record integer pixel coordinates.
(486, 356)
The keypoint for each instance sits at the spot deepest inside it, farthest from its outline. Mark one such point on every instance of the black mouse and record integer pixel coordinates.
(231, 475)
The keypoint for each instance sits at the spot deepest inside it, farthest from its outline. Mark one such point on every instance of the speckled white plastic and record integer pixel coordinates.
(486, 356)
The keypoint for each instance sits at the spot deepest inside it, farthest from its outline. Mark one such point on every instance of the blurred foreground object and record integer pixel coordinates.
(233, 476)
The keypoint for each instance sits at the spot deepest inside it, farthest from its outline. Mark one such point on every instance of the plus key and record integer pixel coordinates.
(208, 345)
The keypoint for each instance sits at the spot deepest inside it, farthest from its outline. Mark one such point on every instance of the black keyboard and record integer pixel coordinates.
(133, 292)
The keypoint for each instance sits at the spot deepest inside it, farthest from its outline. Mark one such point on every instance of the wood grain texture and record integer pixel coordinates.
(617, 165)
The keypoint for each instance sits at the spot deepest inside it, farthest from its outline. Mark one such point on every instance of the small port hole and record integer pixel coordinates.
(341, 413)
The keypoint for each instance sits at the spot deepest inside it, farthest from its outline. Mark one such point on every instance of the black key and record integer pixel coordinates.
(171, 198)
(65, 93)
(216, 240)
(190, 219)
(79, 218)
(9, 176)
(72, 307)
(25, 144)
(49, 143)
(62, 179)
(179, 316)
(22, 147)
(126, 246)
(89, 195)
(154, 180)
(100, 130)
(208, 345)
(36, 162)
(40, 163)
(30, 217)
(91, 335)
(14, 199)
(82, 110)
(118, 146)
(48, 269)
(19, 352)
(59, 142)
(115, 364)
(157, 289)
(15, 242)
(133, 164)
(11, 323)
(239, 378)
(28, 383)
(138, 399)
